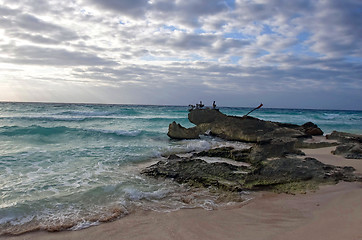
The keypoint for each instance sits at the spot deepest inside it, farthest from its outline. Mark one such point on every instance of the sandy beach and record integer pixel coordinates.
(332, 212)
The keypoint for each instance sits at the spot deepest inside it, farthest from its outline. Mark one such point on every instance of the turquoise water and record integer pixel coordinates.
(70, 166)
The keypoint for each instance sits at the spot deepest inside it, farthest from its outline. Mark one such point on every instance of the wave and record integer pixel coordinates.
(59, 130)
(92, 118)
(85, 113)
(122, 112)
(49, 219)
(47, 216)
(130, 133)
(32, 130)
(48, 118)
(330, 116)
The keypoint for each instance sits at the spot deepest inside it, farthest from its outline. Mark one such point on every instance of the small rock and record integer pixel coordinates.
(349, 150)
(312, 129)
(345, 137)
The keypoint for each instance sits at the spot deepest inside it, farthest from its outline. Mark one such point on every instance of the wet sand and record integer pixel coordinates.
(332, 212)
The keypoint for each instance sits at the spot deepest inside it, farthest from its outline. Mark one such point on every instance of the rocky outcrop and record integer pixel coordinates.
(176, 131)
(199, 173)
(345, 137)
(283, 174)
(350, 145)
(246, 129)
(349, 150)
(273, 160)
(256, 153)
(199, 116)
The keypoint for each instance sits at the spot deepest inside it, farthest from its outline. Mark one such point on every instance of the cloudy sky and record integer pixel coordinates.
(288, 54)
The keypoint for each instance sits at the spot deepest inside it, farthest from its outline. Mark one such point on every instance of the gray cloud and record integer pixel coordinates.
(31, 28)
(5, 11)
(333, 25)
(186, 13)
(336, 28)
(132, 8)
(36, 38)
(50, 56)
(272, 49)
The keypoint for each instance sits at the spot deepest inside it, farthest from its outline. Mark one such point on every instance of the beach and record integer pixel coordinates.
(332, 212)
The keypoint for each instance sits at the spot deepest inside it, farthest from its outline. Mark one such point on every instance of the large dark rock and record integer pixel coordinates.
(283, 174)
(249, 130)
(312, 129)
(199, 116)
(246, 129)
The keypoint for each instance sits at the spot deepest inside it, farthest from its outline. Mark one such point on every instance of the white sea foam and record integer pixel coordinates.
(330, 116)
(84, 225)
(8, 170)
(22, 220)
(135, 194)
(131, 133)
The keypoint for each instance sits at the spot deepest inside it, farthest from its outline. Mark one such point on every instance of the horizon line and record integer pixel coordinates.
(172, 105)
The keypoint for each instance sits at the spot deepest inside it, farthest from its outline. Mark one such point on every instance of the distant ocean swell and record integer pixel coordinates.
(71, 166)
(81, 118)
(51, 131)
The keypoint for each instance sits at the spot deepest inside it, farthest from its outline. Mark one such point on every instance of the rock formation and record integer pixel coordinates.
(350, 144)
(246, 129)
(272, 161)
(288, 175)
(345, 137)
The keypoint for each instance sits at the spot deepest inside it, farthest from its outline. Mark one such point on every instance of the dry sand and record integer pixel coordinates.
(333, 212)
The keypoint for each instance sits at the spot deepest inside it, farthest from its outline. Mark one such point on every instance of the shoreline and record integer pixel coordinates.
(332, 212)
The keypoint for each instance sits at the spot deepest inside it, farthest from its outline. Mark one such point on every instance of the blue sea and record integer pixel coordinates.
(71, 166)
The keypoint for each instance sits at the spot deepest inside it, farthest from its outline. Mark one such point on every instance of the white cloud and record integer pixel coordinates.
(200, 49)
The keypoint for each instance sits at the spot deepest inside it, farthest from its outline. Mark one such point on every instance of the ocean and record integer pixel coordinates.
(71, 166)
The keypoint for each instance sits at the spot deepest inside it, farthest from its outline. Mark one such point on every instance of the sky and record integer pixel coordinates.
(283, 53)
